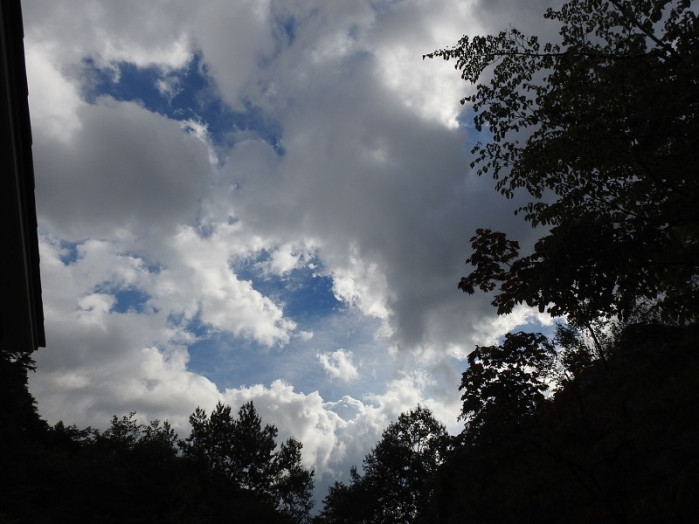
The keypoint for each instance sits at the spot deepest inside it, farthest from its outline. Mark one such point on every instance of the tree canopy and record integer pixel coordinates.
(504, 384)
(614, 444)
(395, 484)
(243, 452)
(600, 129)
(135, 472)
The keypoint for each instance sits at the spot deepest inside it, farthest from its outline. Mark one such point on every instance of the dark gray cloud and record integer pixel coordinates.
(122, 168)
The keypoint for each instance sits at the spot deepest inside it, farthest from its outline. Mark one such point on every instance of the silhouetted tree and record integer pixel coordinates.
(19, 418)
(397, 474)
(293, 484)
(243, 452)
(600, 129)
(504, 384)
(350, 503)
(599, 450)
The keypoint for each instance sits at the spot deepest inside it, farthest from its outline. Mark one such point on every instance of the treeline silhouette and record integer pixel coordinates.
(228, 470)
(615, 442)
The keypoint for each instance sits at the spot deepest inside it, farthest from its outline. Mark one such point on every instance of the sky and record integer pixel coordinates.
(264, 200)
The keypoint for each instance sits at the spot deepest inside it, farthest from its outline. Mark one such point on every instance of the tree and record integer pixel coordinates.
(19, 418)
(243, 452)
(293, 483)
(351, 503)
(598, 450)
(151, 443)
(400, 467)
(395, 485)
(504, 384)
(600, 130)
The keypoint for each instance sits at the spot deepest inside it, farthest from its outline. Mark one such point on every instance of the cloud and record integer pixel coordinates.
(54, 99)
(123, 167)
(151, 33)
(199, 281)
(338, 364)
(172, 266)
(430, 25)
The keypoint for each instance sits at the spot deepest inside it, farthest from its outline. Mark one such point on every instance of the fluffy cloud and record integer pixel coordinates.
(145, 33)
(338, 364)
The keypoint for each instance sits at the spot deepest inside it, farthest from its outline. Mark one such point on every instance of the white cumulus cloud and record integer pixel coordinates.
(339, 364)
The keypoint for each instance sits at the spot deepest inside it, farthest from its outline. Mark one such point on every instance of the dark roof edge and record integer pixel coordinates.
(17, 140)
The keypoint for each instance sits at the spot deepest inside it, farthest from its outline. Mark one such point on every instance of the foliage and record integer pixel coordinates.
(351, 503)
(18, 416)
(242, 452)
(294, 487)
(395, 485)
(152, 443)
(133, 472)
(600, 129)
(505, 383)
(615, 444)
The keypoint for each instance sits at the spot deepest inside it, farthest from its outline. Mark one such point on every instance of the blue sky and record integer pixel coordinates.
(265, 201)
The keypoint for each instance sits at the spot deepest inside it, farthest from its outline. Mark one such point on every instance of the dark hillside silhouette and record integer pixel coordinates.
(616, 444)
